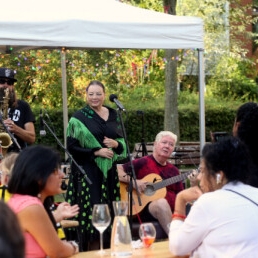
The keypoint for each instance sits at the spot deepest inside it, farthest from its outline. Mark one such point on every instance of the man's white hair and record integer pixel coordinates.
(161, 134)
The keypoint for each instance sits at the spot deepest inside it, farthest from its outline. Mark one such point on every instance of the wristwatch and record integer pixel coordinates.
(75, 246)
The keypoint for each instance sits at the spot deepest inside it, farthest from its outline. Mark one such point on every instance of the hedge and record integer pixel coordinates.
(216, 119)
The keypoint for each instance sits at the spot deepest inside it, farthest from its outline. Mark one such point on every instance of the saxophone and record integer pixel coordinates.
(5, 139)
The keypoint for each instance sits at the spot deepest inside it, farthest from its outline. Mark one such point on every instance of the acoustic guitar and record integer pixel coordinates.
(155, 189)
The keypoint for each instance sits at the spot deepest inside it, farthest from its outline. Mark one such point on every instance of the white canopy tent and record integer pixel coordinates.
(84, 24)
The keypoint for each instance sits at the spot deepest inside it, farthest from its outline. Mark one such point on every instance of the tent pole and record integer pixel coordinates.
(201, 98)
(64, 94)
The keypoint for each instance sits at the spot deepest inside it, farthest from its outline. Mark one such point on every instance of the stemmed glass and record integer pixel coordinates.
(100, 220)
(147, 233)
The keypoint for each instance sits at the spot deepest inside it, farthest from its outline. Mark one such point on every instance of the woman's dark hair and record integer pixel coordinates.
(31, 170)
(95, 82)
(247, 131)
(229, 155)
(12, 243)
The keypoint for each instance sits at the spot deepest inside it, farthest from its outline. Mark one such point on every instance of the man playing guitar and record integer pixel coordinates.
(157, 167)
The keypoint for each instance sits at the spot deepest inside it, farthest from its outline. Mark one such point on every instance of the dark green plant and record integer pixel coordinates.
(219, 117)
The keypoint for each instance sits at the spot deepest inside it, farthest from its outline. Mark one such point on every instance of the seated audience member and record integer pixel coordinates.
(223, 221)
(246, 129)
(6, 166)
(63, 211)
(12, 244)
(36, 178)
(159, 209)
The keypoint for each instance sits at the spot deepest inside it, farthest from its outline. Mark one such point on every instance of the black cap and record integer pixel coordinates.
(7, 73)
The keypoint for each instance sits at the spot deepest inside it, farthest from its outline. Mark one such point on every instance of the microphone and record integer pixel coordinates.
(179, 154)
(64, 186)
(42, 131)
(113, 98)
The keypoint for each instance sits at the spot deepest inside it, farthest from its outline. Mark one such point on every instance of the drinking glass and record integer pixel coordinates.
(100, 220)
(147, 233)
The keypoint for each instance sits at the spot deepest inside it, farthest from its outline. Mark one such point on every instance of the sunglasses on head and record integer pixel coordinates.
(9, 82)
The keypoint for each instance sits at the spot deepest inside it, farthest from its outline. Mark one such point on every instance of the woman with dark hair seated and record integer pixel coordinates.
(223, 221)
(36, 178)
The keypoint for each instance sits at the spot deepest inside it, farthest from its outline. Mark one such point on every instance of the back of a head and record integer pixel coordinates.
(229, 155)
(8, 161)
(33, 165)
(12, 243)
(247, 131)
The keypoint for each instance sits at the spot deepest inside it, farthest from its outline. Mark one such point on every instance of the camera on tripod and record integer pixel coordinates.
(139, 112)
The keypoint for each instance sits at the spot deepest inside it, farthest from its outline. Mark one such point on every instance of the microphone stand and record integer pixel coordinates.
(131, 174)
(66, 151)
(10, 134)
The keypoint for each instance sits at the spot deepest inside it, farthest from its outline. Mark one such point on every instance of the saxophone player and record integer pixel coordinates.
(16, 114)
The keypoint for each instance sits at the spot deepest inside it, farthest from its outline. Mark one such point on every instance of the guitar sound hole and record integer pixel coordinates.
(149, 190)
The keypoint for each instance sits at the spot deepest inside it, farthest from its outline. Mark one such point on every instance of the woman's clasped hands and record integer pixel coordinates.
(110, 143)
(107, 152)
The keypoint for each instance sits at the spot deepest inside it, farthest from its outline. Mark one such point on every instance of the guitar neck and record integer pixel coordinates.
(171, 180)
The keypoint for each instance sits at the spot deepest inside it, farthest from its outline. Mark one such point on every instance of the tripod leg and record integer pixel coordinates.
(144, 149)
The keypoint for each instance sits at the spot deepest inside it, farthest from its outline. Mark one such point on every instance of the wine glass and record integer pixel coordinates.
(100, 220)
(147, 233)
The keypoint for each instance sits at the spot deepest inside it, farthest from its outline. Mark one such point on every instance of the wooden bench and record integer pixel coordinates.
(185, 155)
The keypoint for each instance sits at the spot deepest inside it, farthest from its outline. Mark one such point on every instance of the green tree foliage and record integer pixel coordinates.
(39, 73)
(233, 83)
(228, 71)
(140, 74)
(156, 5)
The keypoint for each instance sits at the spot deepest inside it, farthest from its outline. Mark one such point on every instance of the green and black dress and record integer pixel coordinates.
(85, 134)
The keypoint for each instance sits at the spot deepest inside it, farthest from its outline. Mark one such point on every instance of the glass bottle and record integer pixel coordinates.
(121, 238)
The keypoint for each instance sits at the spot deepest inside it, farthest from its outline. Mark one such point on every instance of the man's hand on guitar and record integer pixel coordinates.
(141, 185)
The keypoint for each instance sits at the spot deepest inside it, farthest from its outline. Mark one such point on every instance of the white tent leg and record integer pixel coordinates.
(201, 98)
(64, 93)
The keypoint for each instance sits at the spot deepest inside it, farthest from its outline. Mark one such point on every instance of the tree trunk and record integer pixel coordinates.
(171, 120)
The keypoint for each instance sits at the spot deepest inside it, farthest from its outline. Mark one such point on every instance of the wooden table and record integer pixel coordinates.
(158, 249)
